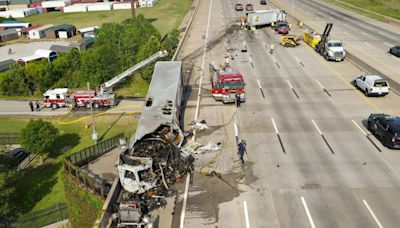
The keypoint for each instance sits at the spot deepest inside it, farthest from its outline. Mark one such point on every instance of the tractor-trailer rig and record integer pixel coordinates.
(265, 17)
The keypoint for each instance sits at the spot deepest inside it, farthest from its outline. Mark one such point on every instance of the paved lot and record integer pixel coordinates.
(26, 49)
(325, 173)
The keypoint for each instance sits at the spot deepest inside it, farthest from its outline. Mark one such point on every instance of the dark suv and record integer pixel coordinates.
(386, 128)
(263, 2)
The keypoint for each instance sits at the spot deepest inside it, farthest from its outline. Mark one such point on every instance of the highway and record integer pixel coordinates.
(311, 161)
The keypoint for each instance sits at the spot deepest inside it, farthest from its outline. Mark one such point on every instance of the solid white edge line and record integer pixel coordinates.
(246, 214)
(359, 127)
(298, 60)
(290, 85)
(308, 212)
(320, 85)
(196, 115)
(372, 213)
(259, 84)
(273, 123)
(316, 126)
(184, 202)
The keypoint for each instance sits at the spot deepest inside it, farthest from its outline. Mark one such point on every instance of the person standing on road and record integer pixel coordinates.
(242, 150)
(237, 98)
(31, 105)
(271, 48)
(37, 106)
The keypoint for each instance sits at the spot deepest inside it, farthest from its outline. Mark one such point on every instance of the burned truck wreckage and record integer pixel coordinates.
(154, 160)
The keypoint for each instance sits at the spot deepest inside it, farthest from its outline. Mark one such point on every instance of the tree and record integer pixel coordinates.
(38, 137)
(13, 82)
(6, 188)
(171, 42)
(149, 48)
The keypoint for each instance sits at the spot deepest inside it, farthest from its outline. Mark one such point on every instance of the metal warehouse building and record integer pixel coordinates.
(61, 31)
(9, 34)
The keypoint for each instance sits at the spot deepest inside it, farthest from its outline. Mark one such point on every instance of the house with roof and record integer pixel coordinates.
(61, 31)
(39, 33)
(25, 32)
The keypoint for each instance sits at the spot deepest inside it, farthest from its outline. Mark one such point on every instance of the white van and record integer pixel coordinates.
(372, 85)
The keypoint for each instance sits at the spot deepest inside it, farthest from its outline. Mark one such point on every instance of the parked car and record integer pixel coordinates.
(386, 128)
(282, 29)
(249, 7)
(395, 50)
(18, 155)
(371, 85)
(239, 7)
(263, 2)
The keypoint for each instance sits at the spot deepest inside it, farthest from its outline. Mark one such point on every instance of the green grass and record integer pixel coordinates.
(165, 15)
(39, 187)
(136, 87)
(390, 8)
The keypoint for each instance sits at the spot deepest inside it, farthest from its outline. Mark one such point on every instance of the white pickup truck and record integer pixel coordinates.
(372, 85)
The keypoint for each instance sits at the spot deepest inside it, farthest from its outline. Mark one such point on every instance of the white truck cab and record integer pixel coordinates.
(372, 85)
(334, 50)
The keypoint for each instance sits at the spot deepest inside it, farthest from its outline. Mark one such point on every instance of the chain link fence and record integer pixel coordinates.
(9, 138)
(50, 215)
(92, 181)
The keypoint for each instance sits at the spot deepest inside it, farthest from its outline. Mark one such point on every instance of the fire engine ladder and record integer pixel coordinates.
(106, 88)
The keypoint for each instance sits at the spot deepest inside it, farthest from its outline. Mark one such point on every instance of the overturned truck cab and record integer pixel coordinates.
(154, 160)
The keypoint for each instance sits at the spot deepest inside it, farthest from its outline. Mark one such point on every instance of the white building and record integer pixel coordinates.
(39, 33)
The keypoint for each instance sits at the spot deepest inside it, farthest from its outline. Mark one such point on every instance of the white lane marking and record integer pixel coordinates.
(235, 126)
(316, 126)
(290, 85)
(246, 214)
(387, 44)
(298, 60)
(320, 85)
(308, 212)
(366, 43)
(184, 202)
(365, 34)
(372, 213)
(273, 123)
(202, 67)
(259, 84)
(346, 33)
(359, 128)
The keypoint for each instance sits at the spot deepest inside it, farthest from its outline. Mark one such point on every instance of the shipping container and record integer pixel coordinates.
(76, 8)
(99, 6)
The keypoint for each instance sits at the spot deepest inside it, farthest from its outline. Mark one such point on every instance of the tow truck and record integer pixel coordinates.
(225, 83)
(60, 97)
(329, 49)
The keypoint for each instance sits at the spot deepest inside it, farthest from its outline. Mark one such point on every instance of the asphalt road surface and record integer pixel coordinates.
(311, 161)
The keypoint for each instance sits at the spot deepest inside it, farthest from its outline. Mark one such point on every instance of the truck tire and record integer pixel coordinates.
(87, 105)
(96, 105)
(354, 83)
(366, 92)
(54, 106)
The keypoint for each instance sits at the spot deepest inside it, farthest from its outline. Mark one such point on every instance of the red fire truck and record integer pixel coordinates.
(84, 98)
(225, 83)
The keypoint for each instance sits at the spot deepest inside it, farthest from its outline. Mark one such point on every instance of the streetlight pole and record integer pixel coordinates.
(94, 134)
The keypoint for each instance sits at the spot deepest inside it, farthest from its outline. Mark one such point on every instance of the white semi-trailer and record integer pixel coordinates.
(265, 17)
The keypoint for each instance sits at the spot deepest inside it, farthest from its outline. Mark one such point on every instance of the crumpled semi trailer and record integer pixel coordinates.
(265, 17)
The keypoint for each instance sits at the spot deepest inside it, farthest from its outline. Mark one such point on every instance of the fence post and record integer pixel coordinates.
(34, 219)
(59, 205)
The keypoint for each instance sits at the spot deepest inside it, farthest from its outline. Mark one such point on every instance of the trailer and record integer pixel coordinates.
(265, 17)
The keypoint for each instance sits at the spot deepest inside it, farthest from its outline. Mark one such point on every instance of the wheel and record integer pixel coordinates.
(87, 105)
(354, 83)
(370, 128)
(96, 105)
(366, 92)
(54, 106)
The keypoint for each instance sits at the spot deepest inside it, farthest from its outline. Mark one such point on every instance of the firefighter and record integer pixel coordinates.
(9, 51)
(31, 105)
(237, 99)
(37, 106)
(242, 150)
(271, 48)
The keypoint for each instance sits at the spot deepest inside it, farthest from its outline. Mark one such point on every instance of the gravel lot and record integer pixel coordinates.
(26, 49)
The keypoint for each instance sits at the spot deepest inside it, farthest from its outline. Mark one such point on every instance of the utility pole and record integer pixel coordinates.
(94, 134)
(133, 12)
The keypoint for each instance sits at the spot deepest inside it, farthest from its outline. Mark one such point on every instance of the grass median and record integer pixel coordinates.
(41, 186)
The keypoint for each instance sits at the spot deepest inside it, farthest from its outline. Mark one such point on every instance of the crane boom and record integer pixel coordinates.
(107, 86)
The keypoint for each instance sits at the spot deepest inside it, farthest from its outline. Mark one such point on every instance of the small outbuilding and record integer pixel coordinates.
(39, 55)
(62, 49)
(25, 32)
(39, 33)
(9, 34)
(5, 65)
(61, 31)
